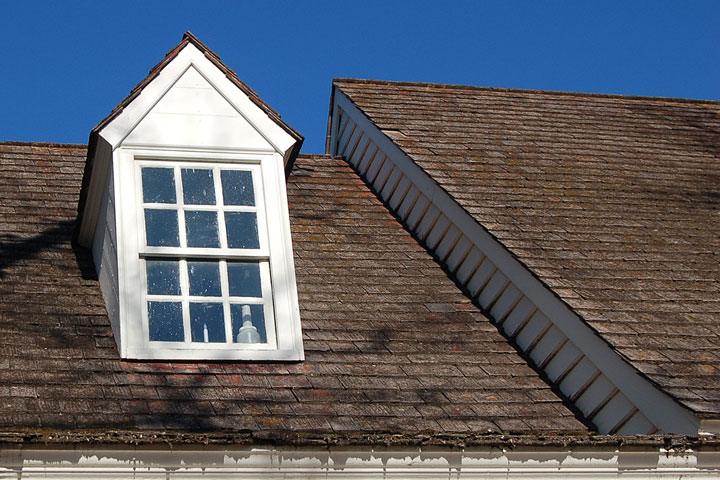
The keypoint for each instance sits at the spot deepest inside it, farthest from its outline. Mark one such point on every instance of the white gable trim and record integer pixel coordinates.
(117, 130)
(573, 355)
(122, 125)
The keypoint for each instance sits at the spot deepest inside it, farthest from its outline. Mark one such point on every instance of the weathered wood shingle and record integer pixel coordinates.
(392, 346)
(613, 202)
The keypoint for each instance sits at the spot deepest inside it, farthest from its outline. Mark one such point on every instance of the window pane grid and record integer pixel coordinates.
(225, 294)
(193, 332)
(246, 218)
(222, 231)
(238, 300)
(198, 213)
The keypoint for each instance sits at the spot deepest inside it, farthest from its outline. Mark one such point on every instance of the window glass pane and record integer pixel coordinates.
(201, 228)
(206, 322)
(242, 229)
(158, 185)
(163, 277)
(161, 228)
(165, 321)
(204, 279)
(237, 187)
(248, 323)
(244, 279)
(198, 186)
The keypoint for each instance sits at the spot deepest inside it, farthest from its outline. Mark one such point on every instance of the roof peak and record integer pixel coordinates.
(190, 38)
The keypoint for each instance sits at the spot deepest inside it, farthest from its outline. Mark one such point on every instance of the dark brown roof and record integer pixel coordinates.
(392, 347)
(612, 201)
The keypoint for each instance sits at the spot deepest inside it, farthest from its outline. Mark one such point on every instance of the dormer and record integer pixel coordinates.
(185, 209)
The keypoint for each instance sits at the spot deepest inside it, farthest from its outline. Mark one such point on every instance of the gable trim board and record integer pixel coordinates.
(610, 392)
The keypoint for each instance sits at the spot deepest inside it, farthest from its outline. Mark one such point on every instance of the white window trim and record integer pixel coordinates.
(276, 246)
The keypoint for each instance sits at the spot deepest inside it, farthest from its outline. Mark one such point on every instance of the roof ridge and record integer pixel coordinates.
(523, 90)
(317, 155)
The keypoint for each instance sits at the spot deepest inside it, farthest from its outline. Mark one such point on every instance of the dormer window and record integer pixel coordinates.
(204, 251)
(184, 205)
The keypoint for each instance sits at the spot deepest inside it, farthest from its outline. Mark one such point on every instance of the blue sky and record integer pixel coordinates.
(66, 64)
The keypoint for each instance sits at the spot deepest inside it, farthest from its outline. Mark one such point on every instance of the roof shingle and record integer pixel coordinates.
(392, 346)
(612, 201)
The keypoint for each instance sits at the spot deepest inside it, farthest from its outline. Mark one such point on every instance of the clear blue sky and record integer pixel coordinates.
(66, 64)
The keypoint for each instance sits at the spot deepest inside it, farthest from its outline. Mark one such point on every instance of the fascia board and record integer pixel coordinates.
(660, 408)
(121, 126)
(101, 164)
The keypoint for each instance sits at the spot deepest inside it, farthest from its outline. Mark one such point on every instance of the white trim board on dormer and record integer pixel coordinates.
(111, 136)
(190, 57)
(604, 387)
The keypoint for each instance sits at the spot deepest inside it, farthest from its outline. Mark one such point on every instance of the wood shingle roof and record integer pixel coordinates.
(392, 346)
(613, 202)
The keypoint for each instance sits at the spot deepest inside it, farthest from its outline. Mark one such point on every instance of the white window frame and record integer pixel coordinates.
(284, 340)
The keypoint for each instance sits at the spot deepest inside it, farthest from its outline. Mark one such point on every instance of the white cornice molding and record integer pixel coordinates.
(357, 462)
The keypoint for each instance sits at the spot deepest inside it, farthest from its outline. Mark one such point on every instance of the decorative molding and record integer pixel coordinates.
(356, 462)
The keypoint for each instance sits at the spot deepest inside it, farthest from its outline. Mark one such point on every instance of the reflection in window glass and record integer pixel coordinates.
(158, 185)
(204, 279)
(161, 228)
(165, 321)
(196, 295)
(163, 277)
(248, 323)
(198, 186)
(206, 322)
(201, 228)
(237, 187)
(242, 230)
(244, 279)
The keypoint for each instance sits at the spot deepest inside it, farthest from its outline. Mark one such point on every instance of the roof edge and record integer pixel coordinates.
(387, 439)
(42, 144)
(442, 86)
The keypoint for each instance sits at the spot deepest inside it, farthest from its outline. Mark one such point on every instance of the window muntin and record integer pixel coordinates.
(203, 254)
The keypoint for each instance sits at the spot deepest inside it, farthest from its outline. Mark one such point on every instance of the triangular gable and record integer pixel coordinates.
(194, 113)
(134, 120)
(212, 59)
